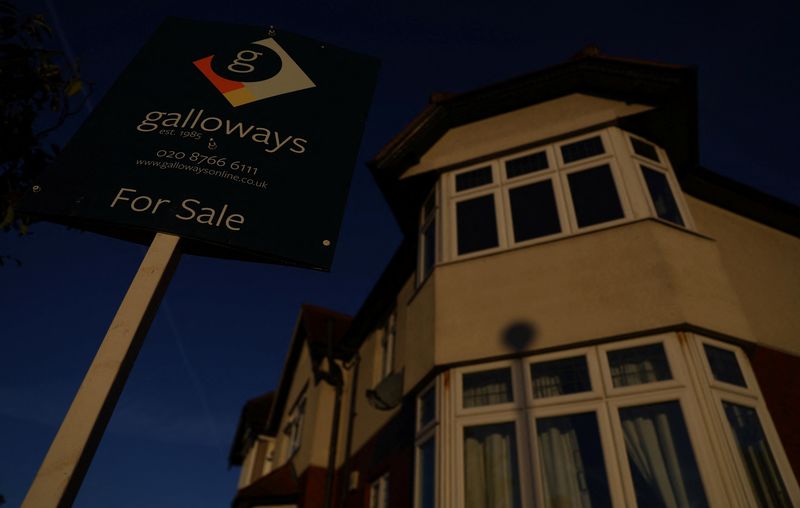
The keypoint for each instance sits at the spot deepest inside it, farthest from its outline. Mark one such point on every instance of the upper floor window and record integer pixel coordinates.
(384, 358)
(658, 181)
(579, 184)
(293, 430)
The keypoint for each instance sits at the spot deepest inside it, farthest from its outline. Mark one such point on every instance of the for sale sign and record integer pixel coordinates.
(240, 139)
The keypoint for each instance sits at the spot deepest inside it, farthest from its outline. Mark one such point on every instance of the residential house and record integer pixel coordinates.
(579, 315)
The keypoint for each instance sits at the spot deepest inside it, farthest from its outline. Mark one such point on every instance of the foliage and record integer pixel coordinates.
(37, 89)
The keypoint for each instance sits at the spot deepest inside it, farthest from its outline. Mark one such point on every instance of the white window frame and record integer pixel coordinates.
(671, 351)
(424, 222)
(523, 460)
(379, 492)
(588, 164)
(455, 197)
(610, 458)
(293, 430)
(706, 465)
(516, 389)
(424, 434)
(385, 345)
(608, 151)
(665, 167)
(551, 174)
(750, 397)
(596, 392)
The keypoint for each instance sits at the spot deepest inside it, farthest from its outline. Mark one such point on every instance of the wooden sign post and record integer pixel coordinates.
(65, 465)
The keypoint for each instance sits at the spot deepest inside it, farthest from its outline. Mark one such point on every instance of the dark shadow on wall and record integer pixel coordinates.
(520, 335)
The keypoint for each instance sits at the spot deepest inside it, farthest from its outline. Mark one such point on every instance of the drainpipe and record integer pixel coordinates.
(345, 479)
(334, 378)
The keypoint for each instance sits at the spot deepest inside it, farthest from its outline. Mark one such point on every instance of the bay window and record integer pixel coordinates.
(617, 424)
(585, 183)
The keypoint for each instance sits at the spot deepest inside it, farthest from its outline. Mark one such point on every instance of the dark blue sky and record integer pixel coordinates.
(222, 331)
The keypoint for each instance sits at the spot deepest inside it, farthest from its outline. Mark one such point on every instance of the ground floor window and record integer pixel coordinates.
(650, 422)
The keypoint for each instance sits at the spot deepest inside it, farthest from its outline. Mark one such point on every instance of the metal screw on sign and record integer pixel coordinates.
(326, 243)
(36, 188)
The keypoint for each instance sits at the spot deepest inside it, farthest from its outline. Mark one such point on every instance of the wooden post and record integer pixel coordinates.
(60, 476)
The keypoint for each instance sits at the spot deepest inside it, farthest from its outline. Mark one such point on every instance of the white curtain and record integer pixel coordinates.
(652, 451)
(757, 456)
(563, 474)
(633, 373)
(547, 386)
(489, 467)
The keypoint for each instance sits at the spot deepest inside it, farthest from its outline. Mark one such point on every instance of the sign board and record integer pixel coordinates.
(240, 139)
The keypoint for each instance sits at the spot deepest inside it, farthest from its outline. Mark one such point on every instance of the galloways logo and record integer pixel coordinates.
(259, 71)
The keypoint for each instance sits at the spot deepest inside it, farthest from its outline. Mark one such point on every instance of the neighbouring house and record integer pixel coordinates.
(579, 315)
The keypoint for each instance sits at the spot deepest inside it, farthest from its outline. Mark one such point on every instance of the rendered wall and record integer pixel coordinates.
(520, 127)
(763, 265)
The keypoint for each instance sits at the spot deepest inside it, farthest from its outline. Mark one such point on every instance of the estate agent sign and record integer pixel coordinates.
(239, 139)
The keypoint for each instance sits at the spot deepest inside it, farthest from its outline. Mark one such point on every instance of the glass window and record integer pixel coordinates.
(644, 149)
(724, 366)
(594, 196)
(560, 377)
(491, 476)
(533, 211)
(661, 194)
(527, 164)
(427, 237)
(474, 178)
(573, 469)
(487, 387)
(476, 224)
(379, 492)
(426, 474)
(755, 452)
(660, 456)
(582, 149)
(638, 365)
(427, 407)
(429, 248)
(387, 346)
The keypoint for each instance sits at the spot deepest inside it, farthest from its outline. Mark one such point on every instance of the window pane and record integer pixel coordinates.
(644, 149)
(582, 149)
(594, 196)
(533, 211)
(560, 377)
(660, 456)
(573, 469)
(487, 387)
(527, 164)
(638, 365)
(427, 407)
(491, 478)
(474, 178)
(477, 225)
(428, 249)
(724, 365)
(660, 193)
(757, 456)
(427, 475)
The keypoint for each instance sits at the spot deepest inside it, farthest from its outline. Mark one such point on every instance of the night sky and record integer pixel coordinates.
(221, 334)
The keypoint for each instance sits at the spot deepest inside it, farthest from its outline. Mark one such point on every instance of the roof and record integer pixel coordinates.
(314, 324)
(670, 89)
(279, 486)
(252, 422)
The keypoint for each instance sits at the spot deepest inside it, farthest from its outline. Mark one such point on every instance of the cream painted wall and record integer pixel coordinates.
(520, 127)
(763, 265)
(633, 277)
(317, 420)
